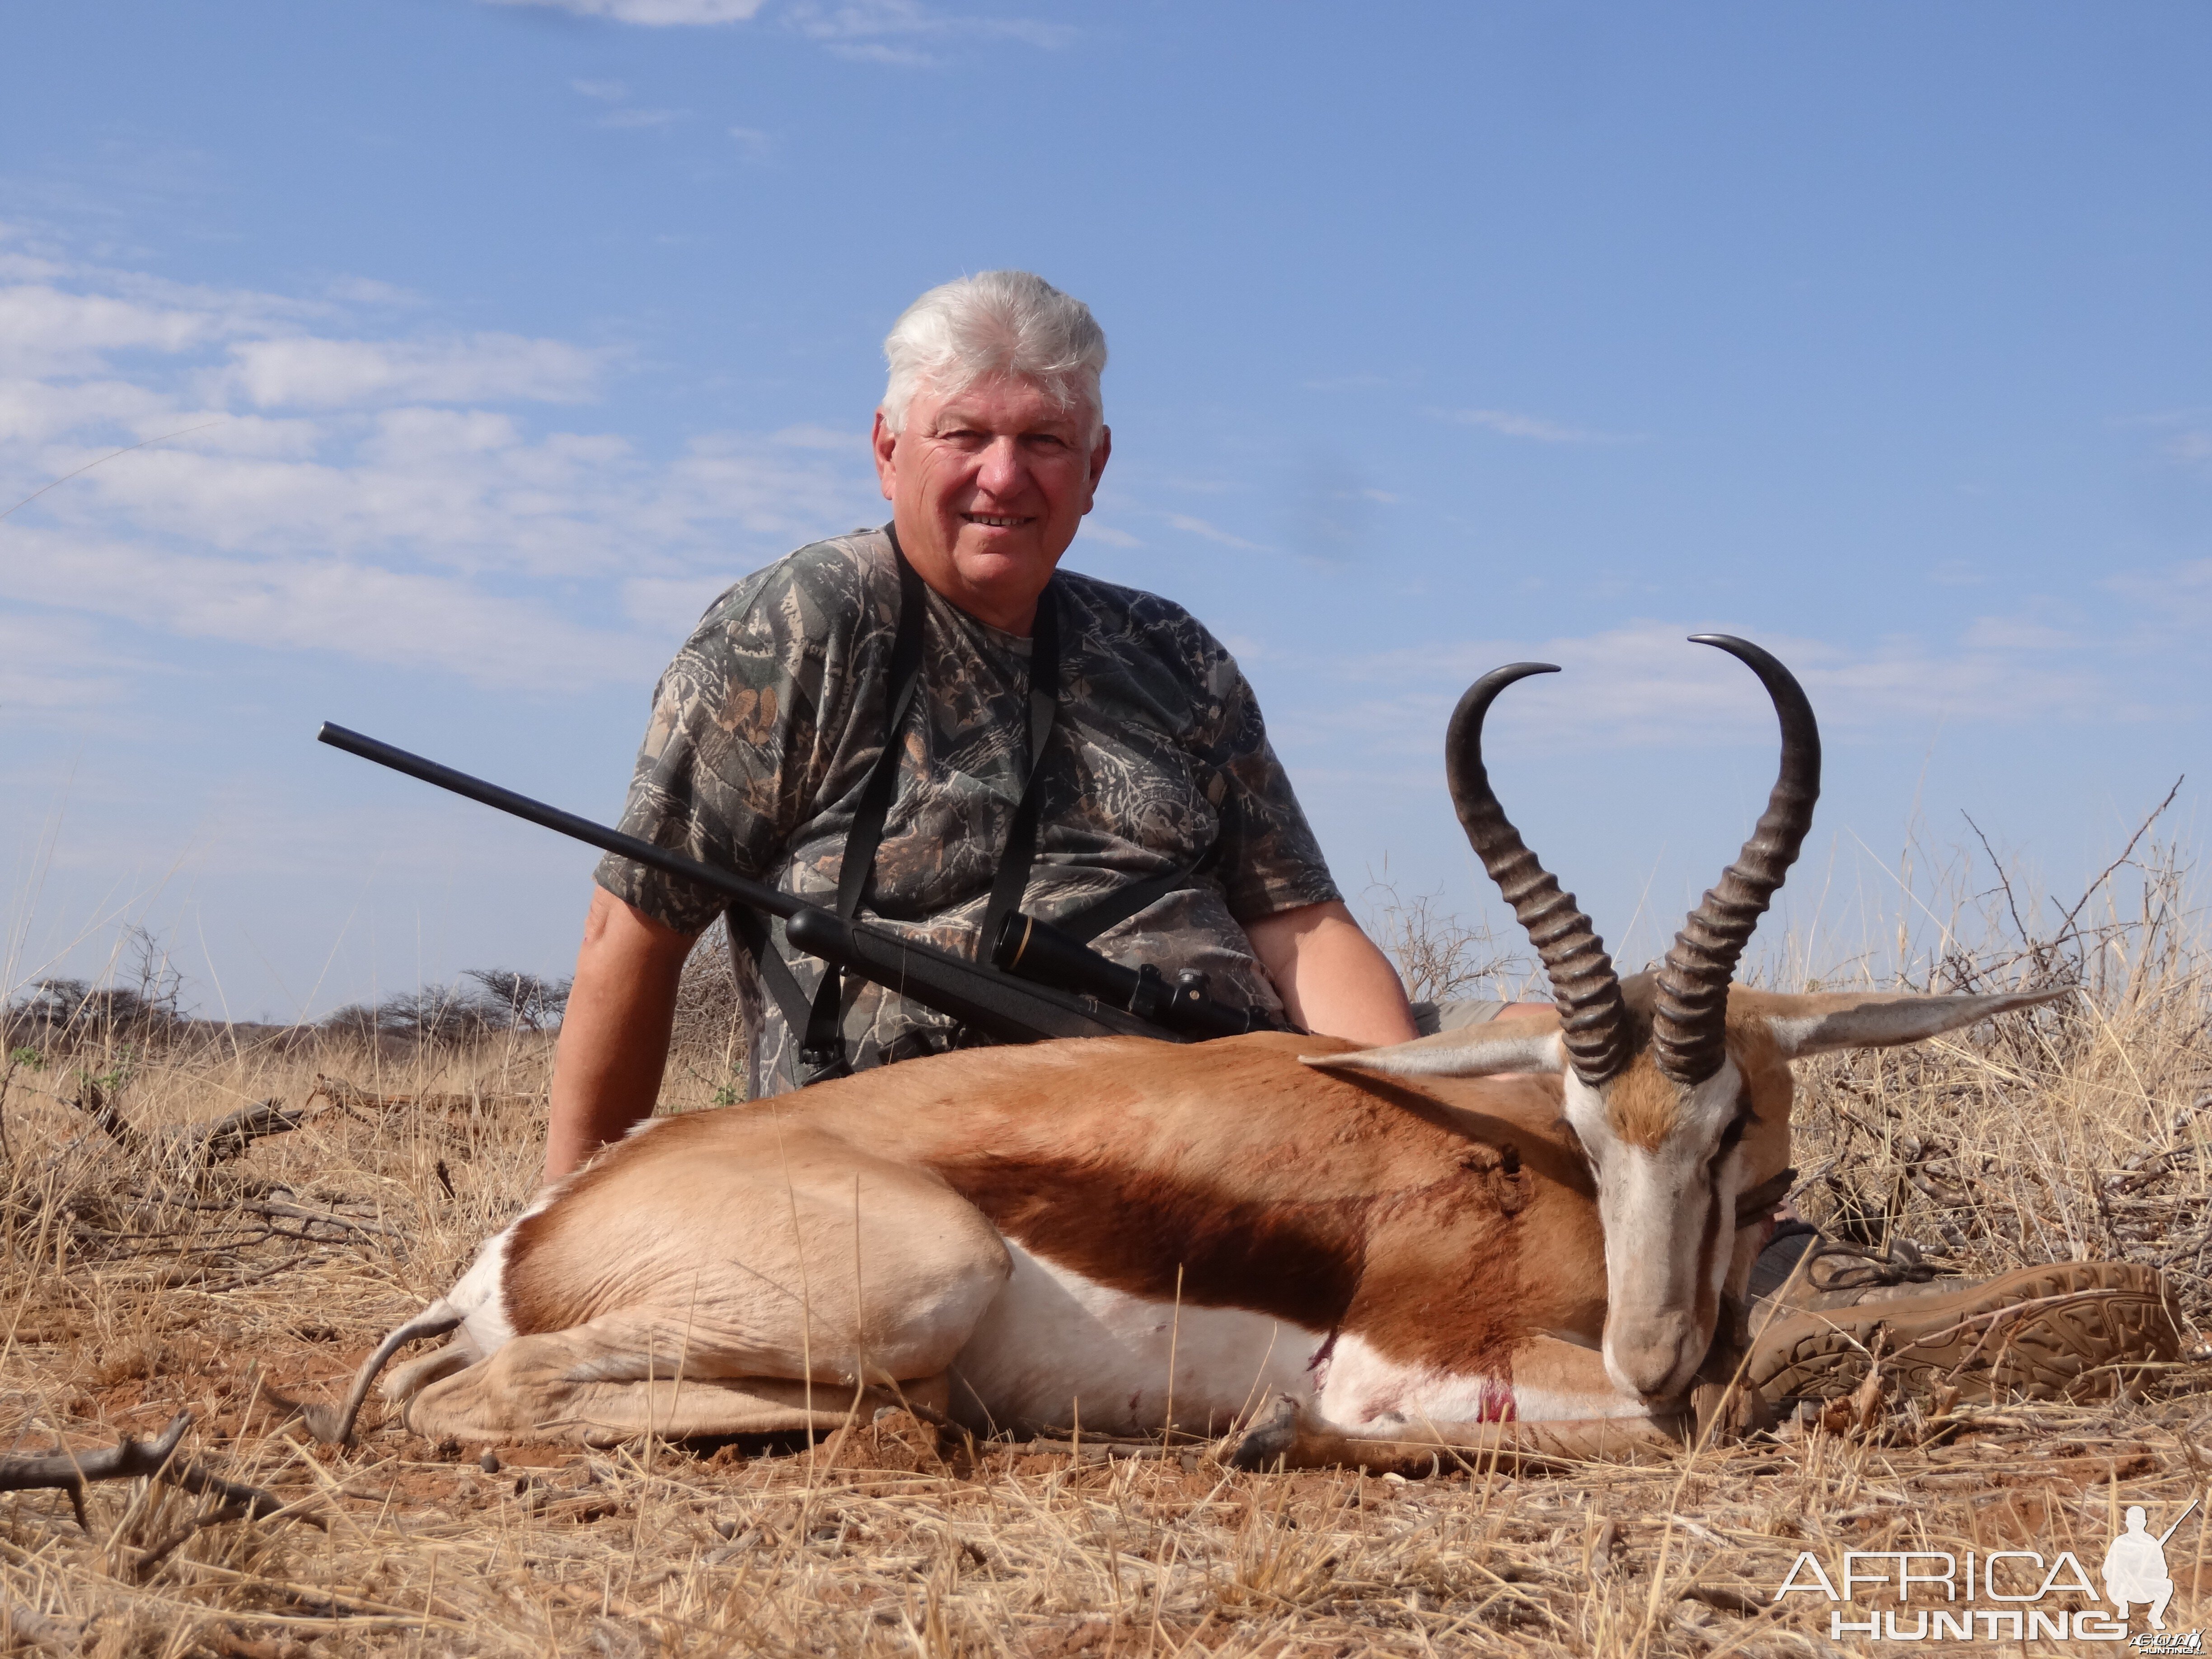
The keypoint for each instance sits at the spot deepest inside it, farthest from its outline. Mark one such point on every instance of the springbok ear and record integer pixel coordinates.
(1499, 1045)
(1815, 1024)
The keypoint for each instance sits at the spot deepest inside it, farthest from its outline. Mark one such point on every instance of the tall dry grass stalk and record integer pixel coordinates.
(140, 1276)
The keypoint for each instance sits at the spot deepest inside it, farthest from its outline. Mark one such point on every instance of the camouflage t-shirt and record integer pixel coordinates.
(767, 725)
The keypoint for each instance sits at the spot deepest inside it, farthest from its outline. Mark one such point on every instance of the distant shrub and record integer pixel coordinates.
(500, 1000)
(142, 1007)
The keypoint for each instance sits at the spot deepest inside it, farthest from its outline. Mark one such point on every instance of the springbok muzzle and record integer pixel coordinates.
(1656, 1356)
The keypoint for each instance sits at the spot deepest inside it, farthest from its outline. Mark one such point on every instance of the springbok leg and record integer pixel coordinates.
(772, 1284)
(1563, 1409)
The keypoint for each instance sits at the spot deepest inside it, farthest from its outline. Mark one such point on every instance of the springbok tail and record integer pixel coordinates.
(335, 1428)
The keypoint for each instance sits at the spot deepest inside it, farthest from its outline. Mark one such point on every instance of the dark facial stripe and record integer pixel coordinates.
(1710, 1238)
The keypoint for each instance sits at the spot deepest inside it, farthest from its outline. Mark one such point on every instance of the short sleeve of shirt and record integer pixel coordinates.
(752, 724)
(1173, 677)
(1267, 855)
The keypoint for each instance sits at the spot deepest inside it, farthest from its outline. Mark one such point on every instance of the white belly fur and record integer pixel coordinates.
(1055, 1343)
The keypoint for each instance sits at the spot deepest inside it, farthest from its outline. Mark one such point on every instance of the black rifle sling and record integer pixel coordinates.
(1118, 906)
(1014, 863)
(822, 1049)
(821, 1046)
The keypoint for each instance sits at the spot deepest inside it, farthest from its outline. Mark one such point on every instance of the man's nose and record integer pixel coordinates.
(1002, 471)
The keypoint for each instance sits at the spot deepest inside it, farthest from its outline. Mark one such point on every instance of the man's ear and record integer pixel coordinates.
(1100, 451)
(1500, 1045)
(882, 443)
(1816, 1024)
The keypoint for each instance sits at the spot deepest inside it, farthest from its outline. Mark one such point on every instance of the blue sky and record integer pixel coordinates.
(502, 336)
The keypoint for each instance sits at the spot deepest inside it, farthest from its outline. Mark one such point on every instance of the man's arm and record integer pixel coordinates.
(614, 1038)
(1330, 976)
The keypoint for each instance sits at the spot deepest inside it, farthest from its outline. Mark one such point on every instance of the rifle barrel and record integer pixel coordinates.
(758, 895)
(2176, 1526)
(997, 1004)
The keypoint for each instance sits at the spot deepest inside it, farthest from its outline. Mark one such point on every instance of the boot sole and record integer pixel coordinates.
(2075, 1330)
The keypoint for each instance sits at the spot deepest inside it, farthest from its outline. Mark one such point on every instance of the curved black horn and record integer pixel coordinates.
(1582, 979)
(1688, 1033)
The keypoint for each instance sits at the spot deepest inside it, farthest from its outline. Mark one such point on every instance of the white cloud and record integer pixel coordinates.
(45, 329)
(669, 608)
(60, 319)
(1507, 423)
(367, 291)
(608, 91)
(872, 31)
(756, 143)
(883, 51)
(1361, 381)
(828, 438)
(1195, 527)
(2192, 448)
(304, 371)
(870, 21)
(390, 500)
(404, 618)
(1645, 684)
(634, 120)
(58, 665)
(34, 411)
(657, 13)
(2175, 604)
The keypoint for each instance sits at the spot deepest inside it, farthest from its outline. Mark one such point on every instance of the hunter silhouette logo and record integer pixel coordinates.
(1936, 1592)
(2135, 1567)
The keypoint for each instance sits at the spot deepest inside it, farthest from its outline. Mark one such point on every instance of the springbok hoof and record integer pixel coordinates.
(1267, 1437)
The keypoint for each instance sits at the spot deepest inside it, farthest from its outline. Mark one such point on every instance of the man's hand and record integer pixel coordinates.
(1330, 976)
(614, 1038)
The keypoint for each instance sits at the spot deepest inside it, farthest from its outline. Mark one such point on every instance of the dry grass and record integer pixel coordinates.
(133, 1287)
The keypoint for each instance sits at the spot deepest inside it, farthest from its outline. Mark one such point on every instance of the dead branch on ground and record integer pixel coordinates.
(40, 1630)
(350, 1096)
(130, 1459)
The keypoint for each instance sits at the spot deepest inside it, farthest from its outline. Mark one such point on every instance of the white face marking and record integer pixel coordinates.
(1668, 1216)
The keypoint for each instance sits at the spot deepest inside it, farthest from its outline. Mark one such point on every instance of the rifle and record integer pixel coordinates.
(1032, 1008)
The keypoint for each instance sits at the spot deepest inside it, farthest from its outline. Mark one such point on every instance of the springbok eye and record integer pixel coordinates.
(1731, 1135)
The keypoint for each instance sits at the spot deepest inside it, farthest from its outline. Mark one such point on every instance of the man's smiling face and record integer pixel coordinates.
(988, 486)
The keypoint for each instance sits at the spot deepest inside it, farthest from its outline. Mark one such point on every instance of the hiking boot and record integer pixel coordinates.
(2073, 1330)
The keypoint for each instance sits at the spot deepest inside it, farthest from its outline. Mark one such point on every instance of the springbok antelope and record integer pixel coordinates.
(1536, 1222)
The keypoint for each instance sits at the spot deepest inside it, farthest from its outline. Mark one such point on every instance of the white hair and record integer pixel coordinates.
(995, 323)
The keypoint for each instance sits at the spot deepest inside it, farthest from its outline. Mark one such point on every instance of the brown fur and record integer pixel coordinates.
(1642, 1103)
(1387, 1212)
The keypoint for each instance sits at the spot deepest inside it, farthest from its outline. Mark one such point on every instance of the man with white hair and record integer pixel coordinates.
(931, 722)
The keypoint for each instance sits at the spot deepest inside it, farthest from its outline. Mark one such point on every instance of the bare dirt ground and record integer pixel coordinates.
(148, 1271)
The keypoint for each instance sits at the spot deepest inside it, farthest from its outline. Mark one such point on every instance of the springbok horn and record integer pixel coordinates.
(1583, 981)
(1687, 1034)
